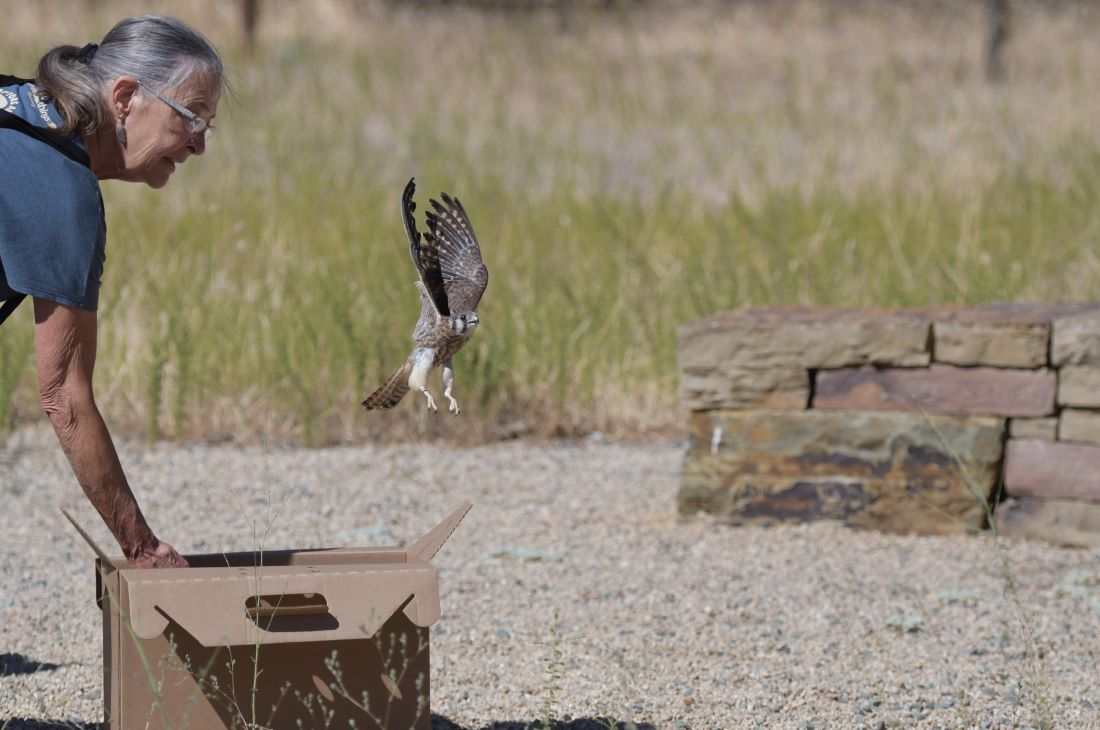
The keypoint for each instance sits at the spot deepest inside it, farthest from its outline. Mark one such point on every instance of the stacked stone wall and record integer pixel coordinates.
(911, 420)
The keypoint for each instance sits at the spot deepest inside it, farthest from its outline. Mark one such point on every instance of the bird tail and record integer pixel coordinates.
(391, 393)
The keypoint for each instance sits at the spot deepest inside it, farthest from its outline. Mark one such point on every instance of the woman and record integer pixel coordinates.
(133, 107)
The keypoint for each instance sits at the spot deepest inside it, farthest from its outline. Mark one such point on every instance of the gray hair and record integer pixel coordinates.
(159, 51)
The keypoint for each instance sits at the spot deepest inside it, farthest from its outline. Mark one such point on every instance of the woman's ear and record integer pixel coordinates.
(122, 94)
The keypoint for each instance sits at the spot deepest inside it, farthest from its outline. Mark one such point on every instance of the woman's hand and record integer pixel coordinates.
(161, 556)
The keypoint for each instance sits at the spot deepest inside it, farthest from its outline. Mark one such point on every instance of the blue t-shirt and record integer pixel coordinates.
(53, 233)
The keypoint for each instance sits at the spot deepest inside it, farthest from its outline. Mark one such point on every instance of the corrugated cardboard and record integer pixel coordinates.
(279, 639)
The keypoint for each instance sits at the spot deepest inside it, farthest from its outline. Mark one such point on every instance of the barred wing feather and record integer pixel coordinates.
(425, 254)
(463, 271)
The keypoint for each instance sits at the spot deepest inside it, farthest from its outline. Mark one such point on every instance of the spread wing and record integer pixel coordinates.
(451, 235)
(425, 254)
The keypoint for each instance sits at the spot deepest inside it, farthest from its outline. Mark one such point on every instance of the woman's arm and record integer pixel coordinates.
(65, 346)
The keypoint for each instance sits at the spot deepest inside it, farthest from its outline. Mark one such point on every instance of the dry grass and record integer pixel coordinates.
(626, 172)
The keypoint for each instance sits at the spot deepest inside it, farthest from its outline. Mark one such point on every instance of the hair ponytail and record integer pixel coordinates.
(71, 86)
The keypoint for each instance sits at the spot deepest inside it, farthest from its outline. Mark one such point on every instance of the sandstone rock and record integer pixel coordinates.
(1052, 470)
(1070, 524)
(763, 337)
(1079, 425)
(1079, 385)
(1075, 339)
(938, 389)
(991, 337)
(1003, 334)
(726, 387)
(1033, 428)
(892, 471)
(1007, 313)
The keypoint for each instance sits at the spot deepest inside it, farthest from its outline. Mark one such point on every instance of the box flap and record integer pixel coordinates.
(87, 538)
(426, 547)
(211, 604)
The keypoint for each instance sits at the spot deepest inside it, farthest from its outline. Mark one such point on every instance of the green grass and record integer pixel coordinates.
(624, 176)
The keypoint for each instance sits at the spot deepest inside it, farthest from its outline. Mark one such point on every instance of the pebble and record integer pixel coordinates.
(658, 619)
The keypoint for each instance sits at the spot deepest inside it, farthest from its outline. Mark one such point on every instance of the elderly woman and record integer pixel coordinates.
(133, 107)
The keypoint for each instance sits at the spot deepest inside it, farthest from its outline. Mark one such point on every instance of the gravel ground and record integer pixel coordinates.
(659, 623)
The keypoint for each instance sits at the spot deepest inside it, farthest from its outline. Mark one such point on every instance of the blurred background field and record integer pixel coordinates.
(628, 167)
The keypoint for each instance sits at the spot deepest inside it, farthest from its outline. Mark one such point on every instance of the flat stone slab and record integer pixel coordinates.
(1008, 313)
(733, 387)
(1075, 338)
(1002, 334)
(938, 389)
(1060, 522)
(1052, 470)
(1079, 385)
(1023, 346)
(898, 472)
(808, 338)
(1079, 425)
(1033, 428)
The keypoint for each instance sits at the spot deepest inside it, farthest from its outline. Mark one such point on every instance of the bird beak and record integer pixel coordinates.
(473, 321)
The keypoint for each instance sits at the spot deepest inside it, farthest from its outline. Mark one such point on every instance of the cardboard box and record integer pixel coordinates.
(279, 639)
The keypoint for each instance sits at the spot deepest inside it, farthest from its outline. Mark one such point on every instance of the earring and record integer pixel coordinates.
(120, 132)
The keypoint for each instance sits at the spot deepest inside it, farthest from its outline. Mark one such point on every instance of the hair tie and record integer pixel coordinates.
(85, 54)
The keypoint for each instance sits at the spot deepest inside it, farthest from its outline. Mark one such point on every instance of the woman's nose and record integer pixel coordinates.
(197, 143)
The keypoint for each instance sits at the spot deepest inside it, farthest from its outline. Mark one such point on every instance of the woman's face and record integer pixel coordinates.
(157, 139)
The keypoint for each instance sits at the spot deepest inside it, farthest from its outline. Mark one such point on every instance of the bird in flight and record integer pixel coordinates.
(452, 279)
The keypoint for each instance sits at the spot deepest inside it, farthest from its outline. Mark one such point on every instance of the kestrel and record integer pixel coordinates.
(452, 279)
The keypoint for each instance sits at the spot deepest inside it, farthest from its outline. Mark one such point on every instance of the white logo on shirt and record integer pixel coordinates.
(8, 100)
(43, 110)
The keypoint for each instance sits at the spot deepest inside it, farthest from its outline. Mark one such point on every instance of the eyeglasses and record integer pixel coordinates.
(195, 123)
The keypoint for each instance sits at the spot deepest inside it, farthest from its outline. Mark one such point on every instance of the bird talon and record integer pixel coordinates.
(431, 401)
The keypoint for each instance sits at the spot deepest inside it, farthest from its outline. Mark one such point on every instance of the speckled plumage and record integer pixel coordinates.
(452, 281)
